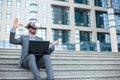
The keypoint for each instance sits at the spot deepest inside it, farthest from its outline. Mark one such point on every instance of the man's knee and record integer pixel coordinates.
(31, 56)
(46, 56)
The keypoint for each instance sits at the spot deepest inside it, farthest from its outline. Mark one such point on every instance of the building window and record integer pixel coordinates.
(63, 0)
(7, 29)
(60, 15)
(27, 17)
(0, 15)
(81, 1)
(115, 4)
(102, 20)
(44, 7)
(1, 2)
(101, 3)
(9, 3)
(27, 5)
(0, 27)
(103, 37)
(8, 16)
(42, 33)
(18, 15)
(117, 21)
(62, 35)
(85, 36)
(118, 38)
(18, 3)
(44, 19)
(82, 17)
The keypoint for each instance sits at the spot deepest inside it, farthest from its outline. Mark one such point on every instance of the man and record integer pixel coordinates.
(30, 61)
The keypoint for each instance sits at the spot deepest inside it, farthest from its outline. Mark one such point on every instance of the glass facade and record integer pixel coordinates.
(1, 2)
(0, 15)
(7, 29)
(81, 1)
(103, 37)
(42, 33)
(63, 0)
(9, 3)
(8, 15)
(0, 27)
(117, 21)
(85, 36)
(101, 3)
(60, 15)
(115, 4)
(18, 3)
(62, 35)
(64, 38)
(101, 20)
(18, 15)
(82, 17)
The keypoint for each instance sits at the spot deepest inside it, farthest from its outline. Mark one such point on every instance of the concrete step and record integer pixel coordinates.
(63, 73)
(66, 57)
(70, 55)
(69, 66)
(62, 61)
(61, 52)
(67, 78)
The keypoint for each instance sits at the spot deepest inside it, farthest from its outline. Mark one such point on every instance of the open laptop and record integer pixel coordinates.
(38, 47)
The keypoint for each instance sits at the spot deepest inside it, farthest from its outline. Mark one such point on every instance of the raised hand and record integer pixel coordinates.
(15, 23)
(55, 43)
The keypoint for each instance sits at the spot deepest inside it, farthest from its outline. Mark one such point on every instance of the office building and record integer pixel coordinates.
(73, 22)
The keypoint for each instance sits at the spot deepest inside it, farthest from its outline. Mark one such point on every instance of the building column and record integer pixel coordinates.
(77, 40)
(113, 33)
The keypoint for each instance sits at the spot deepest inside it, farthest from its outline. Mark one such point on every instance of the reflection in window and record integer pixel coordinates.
(0, 27)
(101, 19)
(27, 4)
(8, 16)
(42, 33)
(82, 1)
(118, 38)
(27, 17)
(44, 19)
(62, 35)
(103, 37)
(82, 17)
(18, 3)
(0, 15)
(1, 2)
(85, 36)
(60, 15)
(18, 15)
(100, 3)
(115, 4)
(44, 7)
(9, 3)
(7, 29)
(63, 0)
(117, 21)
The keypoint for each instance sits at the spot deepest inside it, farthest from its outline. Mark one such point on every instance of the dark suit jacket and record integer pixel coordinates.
(24, 42)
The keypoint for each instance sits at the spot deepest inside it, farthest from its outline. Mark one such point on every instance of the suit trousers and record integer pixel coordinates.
(34, 63)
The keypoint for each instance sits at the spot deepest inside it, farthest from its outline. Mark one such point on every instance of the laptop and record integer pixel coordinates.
(38, 47)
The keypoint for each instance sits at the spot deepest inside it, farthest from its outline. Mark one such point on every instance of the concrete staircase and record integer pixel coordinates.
(67, 65)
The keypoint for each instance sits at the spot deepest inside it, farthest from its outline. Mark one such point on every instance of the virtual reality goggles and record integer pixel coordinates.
(32, 25)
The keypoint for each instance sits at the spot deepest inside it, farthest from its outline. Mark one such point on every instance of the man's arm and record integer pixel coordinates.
(12, 33)
(12, 39)
(52, 47)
